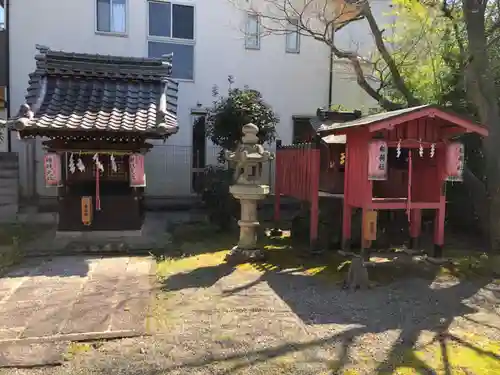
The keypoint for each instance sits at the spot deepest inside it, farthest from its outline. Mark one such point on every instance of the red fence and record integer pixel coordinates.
(297, 176)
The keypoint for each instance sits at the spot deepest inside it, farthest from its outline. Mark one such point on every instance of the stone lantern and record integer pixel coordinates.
(248, 189)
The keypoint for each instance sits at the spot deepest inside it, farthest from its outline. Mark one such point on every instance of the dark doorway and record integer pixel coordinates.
(302, 129)
(198, 157)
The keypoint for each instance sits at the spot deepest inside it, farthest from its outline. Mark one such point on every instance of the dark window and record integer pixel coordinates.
(182, 60)
(160, 19)
(302, 130)
(171, 30)
(199, 156)
(183, 21)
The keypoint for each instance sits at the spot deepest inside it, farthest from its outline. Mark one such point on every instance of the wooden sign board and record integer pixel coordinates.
(52, 169)
(370, 226)
(137, 171)
(455, 162)
(377, 162)
(87, 210)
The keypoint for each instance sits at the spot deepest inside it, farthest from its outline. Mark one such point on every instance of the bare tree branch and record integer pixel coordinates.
(319, 19)
(391, 64)
(362, 81)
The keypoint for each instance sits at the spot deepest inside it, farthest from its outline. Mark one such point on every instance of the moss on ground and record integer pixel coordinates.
(455, 354)
(77, 348)
(12, 237)
(198, 245)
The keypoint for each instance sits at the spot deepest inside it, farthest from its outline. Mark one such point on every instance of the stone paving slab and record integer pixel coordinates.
(61, 299)
(43, 354)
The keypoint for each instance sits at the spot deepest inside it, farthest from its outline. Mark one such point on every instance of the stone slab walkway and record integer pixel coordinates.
(47, 302)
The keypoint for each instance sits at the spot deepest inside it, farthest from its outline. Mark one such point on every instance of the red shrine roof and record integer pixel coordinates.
(390, 119)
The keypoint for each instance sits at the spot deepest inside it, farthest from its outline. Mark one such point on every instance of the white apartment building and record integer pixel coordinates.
(210, 41)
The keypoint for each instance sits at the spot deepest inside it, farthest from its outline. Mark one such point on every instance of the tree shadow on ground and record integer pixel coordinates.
(412, 306)
(203, 277)
(407, 306)
(61, 266)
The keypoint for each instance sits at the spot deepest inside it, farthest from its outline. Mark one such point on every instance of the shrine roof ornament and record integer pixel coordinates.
(90, 92)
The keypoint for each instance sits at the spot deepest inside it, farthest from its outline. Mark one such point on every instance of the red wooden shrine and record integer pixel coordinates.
(397, 160)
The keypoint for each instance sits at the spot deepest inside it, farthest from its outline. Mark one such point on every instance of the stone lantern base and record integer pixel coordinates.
(247, 249)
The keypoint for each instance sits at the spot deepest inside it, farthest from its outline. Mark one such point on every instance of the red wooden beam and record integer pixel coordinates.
(430, 112)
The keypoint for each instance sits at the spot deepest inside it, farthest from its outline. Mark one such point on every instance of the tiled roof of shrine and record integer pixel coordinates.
(86, 92)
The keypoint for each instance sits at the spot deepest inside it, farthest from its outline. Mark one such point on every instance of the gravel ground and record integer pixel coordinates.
(217, 320)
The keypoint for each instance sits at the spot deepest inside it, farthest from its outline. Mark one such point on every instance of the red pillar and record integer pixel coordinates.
(439, 228)
(415, 226)
(302, 175)
(277, 183)
(347, 209)
(313, 194)
(441, 211)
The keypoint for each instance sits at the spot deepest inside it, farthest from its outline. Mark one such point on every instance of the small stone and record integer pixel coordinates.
(239, 256)
(122, 246)
(93, 248)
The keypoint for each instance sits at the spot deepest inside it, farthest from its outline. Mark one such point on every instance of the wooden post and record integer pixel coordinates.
(415, 226)
(368, 231)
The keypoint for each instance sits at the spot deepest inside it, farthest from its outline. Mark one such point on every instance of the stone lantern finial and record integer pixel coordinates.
(250, 132)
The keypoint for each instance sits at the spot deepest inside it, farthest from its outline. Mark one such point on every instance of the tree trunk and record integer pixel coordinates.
(482, 92)
(479, 199)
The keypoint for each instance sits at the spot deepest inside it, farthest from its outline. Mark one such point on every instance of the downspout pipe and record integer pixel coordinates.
(330, 80)
(7, 68)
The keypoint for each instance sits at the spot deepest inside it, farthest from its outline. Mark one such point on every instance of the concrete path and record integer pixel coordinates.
(47, 302)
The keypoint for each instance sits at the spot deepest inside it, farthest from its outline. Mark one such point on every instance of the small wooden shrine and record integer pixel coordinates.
(95, 114)
(399, 160)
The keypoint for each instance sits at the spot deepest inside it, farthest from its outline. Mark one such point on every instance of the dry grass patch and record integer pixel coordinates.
(12, 237)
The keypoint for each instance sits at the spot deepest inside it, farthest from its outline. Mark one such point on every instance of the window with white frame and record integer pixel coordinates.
(252, 31)
(111, 16)
(293, 37)
(171, 30)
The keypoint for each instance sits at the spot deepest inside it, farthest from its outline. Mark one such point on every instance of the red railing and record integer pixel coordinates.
(297, 176)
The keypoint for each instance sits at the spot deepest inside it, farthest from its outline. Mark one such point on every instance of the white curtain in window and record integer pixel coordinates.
(118, 16)
(252, 31)
(292, 36)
